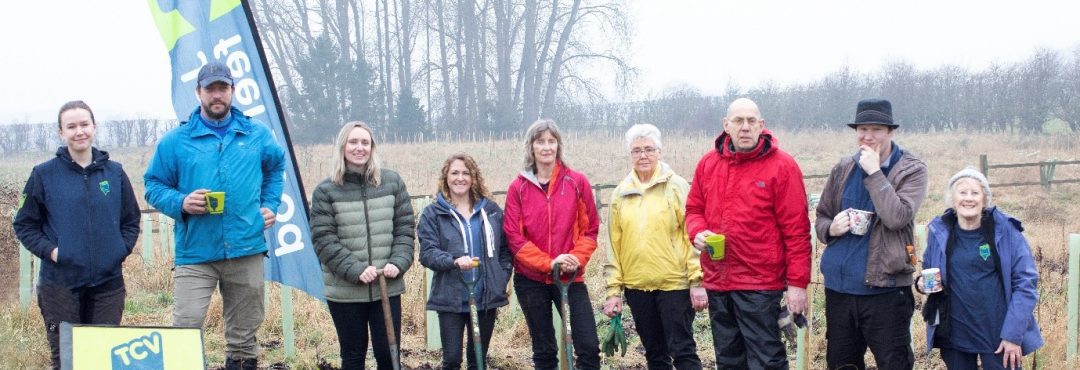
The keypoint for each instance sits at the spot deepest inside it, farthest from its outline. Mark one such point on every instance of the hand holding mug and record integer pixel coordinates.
(195, 202)
(464, 263)
(699, 240)
(841, 223)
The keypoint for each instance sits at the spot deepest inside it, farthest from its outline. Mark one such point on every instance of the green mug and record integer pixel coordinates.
(715, 243)
(215, 202)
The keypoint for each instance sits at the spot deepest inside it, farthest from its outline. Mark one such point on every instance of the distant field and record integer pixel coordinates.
(1049, 216)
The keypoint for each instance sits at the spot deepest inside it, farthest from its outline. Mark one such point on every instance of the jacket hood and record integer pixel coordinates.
(530, 176)
(767, 144)
(99, 157)
(443, 206)
(948, 218)
(635, 186)
(241, 122)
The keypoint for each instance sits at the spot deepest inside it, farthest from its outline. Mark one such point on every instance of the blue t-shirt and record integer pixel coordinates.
(843, 264)
(218, 127)
(474, 234)
(976, 298)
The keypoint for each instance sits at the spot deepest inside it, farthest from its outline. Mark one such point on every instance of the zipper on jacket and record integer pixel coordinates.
(367, 227)
(90, 241)
(547, 206)
(224, 240)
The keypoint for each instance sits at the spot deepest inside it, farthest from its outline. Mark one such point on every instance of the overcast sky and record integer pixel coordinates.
(108, 52)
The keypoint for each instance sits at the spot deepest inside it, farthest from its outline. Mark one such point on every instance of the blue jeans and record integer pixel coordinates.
(536, 300)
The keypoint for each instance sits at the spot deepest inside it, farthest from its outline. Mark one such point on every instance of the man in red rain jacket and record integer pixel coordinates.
(750, 191)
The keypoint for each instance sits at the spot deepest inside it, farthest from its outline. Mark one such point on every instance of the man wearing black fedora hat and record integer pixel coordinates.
(867, 217)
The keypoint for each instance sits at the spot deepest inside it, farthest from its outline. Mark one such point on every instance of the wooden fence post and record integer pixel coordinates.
(984, 165)
(432, 337)
(1046, 173)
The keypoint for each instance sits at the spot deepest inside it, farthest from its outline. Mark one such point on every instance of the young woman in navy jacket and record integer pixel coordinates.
(79, 214)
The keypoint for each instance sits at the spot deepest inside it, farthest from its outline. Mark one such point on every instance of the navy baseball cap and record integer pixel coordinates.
(214, 72)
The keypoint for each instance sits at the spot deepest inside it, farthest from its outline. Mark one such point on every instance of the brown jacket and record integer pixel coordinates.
(896, 200)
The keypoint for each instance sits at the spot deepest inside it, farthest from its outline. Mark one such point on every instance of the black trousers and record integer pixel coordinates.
(352, 321)
(102, 304)
(744, 329)
(665, 322)
(536, 300)
(881, 322)
(451, 326)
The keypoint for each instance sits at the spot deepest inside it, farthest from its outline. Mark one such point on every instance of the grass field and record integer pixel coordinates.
(1049, 217)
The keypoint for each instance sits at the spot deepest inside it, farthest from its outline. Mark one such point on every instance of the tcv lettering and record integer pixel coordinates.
(140, 353)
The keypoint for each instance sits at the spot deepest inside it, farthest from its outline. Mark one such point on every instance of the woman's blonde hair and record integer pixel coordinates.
(370, 171)
(534, 132)
(477, 191)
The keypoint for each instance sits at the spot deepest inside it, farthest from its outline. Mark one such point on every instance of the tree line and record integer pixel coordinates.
(425, 66)
(1018, 97)
(436, 68)
(120, 133)
(421, 67)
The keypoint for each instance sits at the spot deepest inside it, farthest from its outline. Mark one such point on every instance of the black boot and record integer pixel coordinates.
(242, 364)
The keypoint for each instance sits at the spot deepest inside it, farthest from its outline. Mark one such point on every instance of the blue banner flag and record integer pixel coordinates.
(198, 32)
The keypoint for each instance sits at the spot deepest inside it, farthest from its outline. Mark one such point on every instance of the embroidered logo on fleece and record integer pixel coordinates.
(984, 251)
(104, 186)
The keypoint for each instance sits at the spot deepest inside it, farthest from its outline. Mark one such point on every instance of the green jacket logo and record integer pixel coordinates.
(984, 251)
(104, 186)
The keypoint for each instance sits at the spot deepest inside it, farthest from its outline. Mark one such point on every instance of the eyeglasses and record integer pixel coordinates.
(649, 151)
(739, 121)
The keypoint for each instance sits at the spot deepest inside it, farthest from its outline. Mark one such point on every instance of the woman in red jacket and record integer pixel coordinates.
(551, 219)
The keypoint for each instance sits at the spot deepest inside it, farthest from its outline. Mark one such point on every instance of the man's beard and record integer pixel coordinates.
(215, 115)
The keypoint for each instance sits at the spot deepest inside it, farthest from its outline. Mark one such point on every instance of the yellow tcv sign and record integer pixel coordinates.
(126, 348)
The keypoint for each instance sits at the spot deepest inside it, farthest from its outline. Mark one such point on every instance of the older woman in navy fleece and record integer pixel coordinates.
(985, 310)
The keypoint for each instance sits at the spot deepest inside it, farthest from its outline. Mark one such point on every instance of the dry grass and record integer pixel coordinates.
(1048, 215)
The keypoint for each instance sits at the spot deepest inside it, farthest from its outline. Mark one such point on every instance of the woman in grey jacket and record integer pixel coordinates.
(462, 227)
(362, 225)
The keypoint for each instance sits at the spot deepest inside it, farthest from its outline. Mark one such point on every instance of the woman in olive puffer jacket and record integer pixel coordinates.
(362, 225)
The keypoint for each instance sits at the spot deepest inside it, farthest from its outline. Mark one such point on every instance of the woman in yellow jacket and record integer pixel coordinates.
(650, 259)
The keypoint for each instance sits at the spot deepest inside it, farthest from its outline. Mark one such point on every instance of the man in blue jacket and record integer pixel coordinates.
(219, 150)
